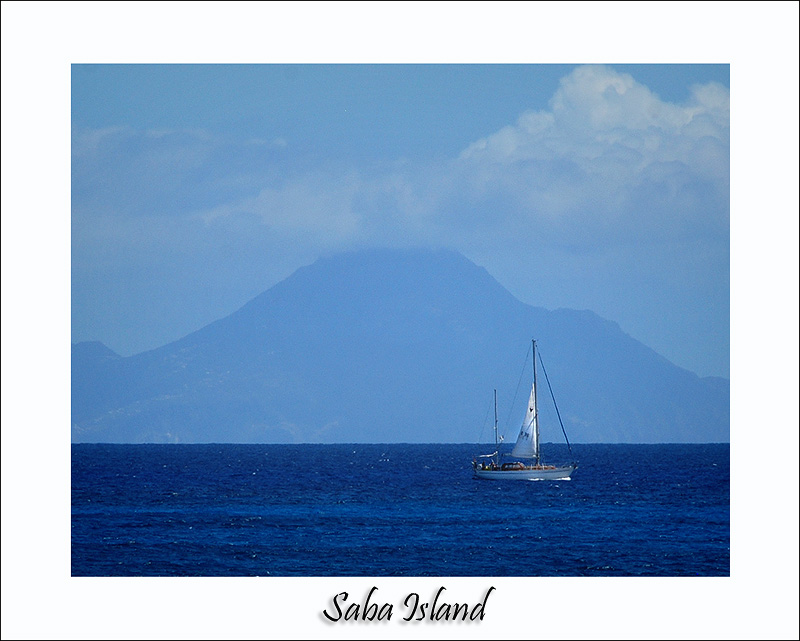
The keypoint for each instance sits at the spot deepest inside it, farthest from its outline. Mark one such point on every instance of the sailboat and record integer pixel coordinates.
(526, 447)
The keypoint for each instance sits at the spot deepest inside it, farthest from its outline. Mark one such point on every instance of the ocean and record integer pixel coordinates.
(396, 510)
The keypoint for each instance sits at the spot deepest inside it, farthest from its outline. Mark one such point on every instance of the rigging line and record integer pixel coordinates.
(569, 447)
(519, 382)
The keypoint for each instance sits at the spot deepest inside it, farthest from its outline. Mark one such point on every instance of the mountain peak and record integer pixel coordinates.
(392, 264)
(389, 345)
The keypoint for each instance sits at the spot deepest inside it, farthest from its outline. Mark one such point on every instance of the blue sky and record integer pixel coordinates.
(602, 187)
(146, 214)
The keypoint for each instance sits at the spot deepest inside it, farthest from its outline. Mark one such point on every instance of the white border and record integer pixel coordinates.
(39, 42)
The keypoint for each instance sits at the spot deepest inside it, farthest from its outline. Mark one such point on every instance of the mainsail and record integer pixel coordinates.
(527, 445)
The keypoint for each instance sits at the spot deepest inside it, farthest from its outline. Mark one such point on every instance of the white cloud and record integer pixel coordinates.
(608, 157)
(317, 208)
(609, 151)
(88, 142)
(276, 143)
(596, 111)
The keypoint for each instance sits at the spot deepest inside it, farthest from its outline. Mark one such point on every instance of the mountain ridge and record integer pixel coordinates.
(387, 346)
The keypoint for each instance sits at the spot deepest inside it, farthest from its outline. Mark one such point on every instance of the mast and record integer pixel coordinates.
(496, 445)
(535, 409)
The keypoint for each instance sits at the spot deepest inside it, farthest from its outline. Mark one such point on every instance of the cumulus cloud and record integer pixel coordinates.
(609, 155)
(608, 159)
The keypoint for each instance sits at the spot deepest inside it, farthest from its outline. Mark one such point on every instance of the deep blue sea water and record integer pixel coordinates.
(396, 510)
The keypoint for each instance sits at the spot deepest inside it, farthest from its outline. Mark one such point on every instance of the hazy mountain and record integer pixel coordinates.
(391, 346)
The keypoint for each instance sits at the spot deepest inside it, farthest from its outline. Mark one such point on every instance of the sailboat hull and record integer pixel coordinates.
(527, 474)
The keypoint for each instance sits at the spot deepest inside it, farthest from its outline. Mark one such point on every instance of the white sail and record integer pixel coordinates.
(527, 445)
